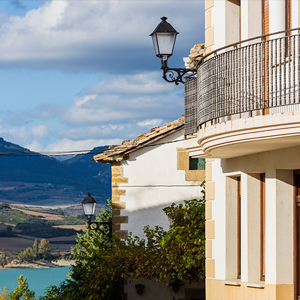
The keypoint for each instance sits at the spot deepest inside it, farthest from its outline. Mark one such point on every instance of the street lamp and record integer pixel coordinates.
(164, 37)
(89, 206)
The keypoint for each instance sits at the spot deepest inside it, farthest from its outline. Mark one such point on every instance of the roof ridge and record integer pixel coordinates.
(116, 153)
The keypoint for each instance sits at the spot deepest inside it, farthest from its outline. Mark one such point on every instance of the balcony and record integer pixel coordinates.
(246, 97)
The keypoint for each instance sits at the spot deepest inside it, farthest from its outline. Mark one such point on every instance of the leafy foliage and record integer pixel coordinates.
(37, 251)
(170, 256)
(21, 291)
(90, 251)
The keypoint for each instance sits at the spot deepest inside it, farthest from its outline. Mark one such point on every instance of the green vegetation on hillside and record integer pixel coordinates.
(69, 220)
(13, 216)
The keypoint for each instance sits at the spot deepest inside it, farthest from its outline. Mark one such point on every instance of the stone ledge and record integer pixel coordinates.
(235, 282)
(258, 285)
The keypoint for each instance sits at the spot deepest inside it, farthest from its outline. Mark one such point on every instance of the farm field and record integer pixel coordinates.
(75, 227)
(22, 242)
(14, 238)
(38, 214)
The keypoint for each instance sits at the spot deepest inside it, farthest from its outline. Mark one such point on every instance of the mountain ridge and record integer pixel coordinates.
(79, 173)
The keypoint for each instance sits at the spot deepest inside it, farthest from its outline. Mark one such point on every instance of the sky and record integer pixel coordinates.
(76, 74)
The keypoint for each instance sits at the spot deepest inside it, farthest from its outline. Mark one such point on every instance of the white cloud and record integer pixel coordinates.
(150, 123)
(109, 36)
(126, 99)
(87, 144)
(40, 131)
(78, 35)
(35, 146)
(31, 138)
(142, 83)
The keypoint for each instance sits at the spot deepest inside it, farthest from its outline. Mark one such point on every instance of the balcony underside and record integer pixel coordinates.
(247, 136)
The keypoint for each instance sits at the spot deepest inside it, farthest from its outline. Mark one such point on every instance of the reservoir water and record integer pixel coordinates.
(37, 279)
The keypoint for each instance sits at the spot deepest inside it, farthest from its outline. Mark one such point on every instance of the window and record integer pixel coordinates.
(197, 163)
(236, 2)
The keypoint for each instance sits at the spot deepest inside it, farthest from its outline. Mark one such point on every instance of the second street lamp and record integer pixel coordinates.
(164, 37)
(89, 206)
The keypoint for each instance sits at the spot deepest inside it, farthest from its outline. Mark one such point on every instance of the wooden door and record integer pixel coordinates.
(262, 226)
(239, 229)
(297, 233)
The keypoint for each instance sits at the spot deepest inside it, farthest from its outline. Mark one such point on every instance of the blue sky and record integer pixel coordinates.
(79, 74)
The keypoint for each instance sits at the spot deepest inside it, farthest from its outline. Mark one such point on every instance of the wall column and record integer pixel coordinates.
(209, 226)
(117, 177)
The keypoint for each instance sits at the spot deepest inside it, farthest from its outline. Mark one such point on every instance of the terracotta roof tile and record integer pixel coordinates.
(116, 153)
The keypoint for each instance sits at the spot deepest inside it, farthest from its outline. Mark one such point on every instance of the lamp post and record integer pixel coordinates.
(89, 206)
(164, 37)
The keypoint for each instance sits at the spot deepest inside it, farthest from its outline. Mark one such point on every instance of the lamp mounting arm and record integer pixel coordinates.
(97, 226)
(174, 74)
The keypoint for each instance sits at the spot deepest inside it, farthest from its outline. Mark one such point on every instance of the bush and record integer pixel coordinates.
(168, 256)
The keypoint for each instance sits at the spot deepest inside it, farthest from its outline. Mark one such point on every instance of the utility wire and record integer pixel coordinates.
(75, 152)
(155, 185)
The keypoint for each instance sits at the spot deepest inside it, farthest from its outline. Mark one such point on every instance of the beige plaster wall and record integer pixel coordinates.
(216, 290)
(278, 165)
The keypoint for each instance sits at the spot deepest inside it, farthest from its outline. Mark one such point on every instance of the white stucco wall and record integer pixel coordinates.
(226, 19)
(160, 291)
(278, 166)
(251, 24)
(295, 13)
(154, 183)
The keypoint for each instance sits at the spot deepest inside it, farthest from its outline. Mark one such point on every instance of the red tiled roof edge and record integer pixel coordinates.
(118, 153)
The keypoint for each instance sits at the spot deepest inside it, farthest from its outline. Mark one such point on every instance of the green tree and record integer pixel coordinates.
(60, 212)
(3, 294)
(26, 255)
(35, 249)
(168, 256)
(44, 250)
(91, 247)
(21, 291)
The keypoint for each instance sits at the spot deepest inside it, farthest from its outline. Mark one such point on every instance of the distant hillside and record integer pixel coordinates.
(97, 174)
(40, 178)
(38, 169)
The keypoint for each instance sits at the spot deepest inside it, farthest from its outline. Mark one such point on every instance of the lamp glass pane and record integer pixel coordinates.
(154, 40)
(166, 43)
(89, 208)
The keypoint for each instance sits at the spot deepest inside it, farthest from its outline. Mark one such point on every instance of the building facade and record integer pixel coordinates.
(245, 120)
(149, 173)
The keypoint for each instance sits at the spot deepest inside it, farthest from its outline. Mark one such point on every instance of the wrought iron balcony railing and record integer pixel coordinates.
(256, 76)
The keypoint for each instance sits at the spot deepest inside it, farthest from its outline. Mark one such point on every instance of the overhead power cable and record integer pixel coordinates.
(155, 185)
(75, 152)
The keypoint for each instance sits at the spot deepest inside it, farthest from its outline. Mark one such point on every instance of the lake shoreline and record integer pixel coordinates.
(38, 264)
